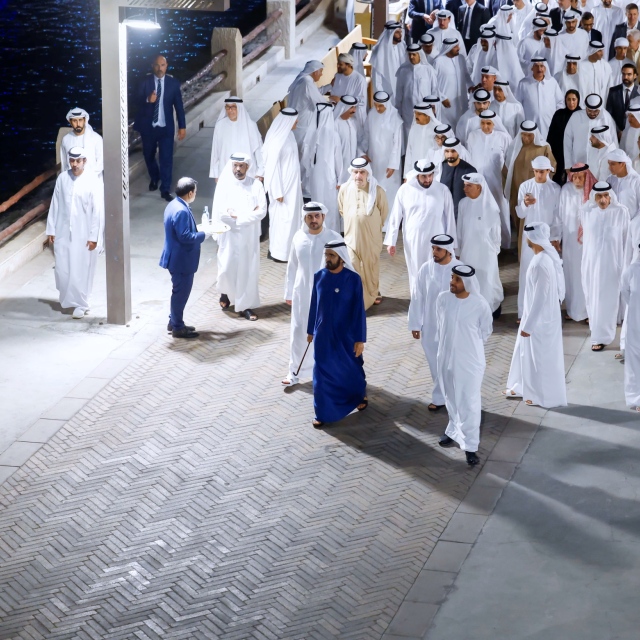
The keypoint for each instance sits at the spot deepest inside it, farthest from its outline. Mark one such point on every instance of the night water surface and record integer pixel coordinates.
(50, 61)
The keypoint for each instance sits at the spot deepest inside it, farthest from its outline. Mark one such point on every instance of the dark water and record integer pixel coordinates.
(50, 62)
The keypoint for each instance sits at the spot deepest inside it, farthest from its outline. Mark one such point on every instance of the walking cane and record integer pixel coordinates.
(303, 357)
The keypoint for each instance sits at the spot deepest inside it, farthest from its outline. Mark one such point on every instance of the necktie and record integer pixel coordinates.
(465, 28)
(627, 99)
(156, 106)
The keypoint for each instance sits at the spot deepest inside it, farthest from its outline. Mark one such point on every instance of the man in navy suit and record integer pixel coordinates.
(158, 96)
(421, 19)
(471, 16)
(181, 253)
(621, 96)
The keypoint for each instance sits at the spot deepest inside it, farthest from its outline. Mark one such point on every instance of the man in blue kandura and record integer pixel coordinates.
(338, 325)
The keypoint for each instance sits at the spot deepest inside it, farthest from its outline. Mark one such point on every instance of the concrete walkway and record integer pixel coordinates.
(558, 558)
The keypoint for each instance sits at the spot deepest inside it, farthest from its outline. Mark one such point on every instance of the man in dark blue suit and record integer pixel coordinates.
(472, 14)
(158, 96)
(181, 253)
(421, 19)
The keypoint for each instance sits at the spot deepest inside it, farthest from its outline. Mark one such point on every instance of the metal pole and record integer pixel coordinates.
(113, 56)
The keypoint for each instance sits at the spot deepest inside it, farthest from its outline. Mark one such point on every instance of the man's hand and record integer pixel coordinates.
(366, 157)
(309, 338)
(232, 213)
(337, 187)
(153, 97)
(358, 348)
(91, 245)
(52, 239)
(288, 302)
(556, 245)
(182, 134)
(334, 99)
(529, 200)
(281, 199)
(524, 334)
(416, 334)
(446, 103)
(391, 251)
(261, 178)
(390, 172)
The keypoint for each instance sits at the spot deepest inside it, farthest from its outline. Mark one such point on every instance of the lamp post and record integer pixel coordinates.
(115, 129)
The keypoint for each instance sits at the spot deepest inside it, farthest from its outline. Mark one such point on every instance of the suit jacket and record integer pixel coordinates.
(596, 35)
(481, 15)
(615, 103)
(417, 10)
(171, 99)
(182, 240)
(556, 18)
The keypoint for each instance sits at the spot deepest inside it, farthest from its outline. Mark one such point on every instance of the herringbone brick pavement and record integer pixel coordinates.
(191, 498)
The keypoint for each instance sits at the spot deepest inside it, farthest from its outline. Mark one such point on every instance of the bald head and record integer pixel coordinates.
(159, 66)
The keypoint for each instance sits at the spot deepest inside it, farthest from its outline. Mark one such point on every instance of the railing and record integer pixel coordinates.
(307, 9)
(259, 49)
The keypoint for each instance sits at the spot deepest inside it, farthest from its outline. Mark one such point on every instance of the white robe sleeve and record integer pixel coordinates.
(485, 323)
(416, 305)
(260, 211)
(292, 269)
(259, 162)
(215, 168)
(393, 224)
(53, 210)
(276, 188)
(556, 226)
(396, 150)
(538, 301)
(625, 286)
(99, 153)
(96, 216)
(568, 143)
(521, 209)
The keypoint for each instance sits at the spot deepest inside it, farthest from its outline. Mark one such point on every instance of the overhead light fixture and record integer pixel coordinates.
(143, 22)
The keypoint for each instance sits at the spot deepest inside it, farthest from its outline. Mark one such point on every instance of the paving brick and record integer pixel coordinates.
(188, 496)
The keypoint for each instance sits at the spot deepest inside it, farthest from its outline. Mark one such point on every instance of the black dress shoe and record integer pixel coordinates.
(446, 441)
(170, 327)
(165, 195)
(184, 333)
(472, 458)
(497, 313)
(153, 186)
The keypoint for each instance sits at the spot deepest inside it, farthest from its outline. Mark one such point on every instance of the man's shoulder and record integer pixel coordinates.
(174, 207)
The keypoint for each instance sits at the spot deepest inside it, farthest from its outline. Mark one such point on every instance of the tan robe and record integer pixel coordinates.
(363, 235)
(523, 171)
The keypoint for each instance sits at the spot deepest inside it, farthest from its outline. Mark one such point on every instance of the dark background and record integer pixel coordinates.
(50, 62)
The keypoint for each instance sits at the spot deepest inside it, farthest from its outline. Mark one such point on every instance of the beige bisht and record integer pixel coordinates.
(364, 212)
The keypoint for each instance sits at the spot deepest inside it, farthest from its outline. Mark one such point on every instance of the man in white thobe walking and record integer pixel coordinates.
(433, 278)
(605, 227)
(479, 238)
(464, 326)
(307, 257)
(382, 144)
(282, 183)
(537, 365)
(572, 196)
(75, 227)
(239, 201)
(425, 209)
(453, 81)
(538, 200)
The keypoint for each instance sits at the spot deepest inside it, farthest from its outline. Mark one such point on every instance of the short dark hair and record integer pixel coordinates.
(631, 5)
(587, 15)
(184, 186)
(628, 65)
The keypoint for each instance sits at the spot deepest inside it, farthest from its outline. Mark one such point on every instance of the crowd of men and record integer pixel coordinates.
(507, 127)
